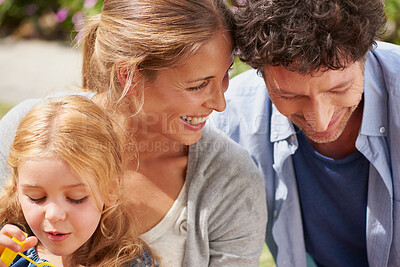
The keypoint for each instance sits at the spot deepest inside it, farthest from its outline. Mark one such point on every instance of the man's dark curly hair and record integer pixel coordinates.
(307, 35)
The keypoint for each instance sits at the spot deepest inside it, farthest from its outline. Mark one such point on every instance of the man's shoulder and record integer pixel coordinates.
(388, 57)
(246, 83)
(387, 48)
(247, 103)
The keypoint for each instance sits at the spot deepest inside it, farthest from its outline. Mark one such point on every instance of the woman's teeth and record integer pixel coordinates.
(194, 120)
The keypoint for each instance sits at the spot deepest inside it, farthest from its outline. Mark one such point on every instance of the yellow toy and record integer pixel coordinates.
(8, 256)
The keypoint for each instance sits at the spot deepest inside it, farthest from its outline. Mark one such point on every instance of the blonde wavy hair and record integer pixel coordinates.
(146, 36)
(79, 132)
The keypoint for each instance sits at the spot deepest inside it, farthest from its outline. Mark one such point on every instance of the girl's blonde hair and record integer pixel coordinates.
(146, 36)
(79, 132)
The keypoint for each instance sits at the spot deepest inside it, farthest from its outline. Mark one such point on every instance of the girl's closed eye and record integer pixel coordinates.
(37, 200)
(77, 201)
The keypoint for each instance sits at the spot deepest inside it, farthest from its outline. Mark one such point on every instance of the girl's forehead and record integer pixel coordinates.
(49, 171)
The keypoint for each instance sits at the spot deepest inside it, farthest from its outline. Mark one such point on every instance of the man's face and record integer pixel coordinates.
(321, 103)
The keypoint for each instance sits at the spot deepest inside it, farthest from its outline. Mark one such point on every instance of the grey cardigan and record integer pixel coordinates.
(226, 207)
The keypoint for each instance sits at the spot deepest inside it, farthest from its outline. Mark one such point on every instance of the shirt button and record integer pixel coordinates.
(382, 130)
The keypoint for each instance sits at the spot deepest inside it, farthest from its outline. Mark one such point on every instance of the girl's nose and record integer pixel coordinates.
(55, 213)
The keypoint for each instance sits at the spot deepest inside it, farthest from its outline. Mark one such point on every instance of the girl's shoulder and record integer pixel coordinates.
(21, 262)
(146, 259)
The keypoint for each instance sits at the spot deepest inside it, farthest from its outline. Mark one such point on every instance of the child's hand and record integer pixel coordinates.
(5, 239)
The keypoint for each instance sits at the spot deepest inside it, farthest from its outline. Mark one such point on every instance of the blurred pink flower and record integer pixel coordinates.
(90, 3)
(62, 14)
(30, 9)
(1, 2)
(79, 35)
(78, 18)
(239, 3)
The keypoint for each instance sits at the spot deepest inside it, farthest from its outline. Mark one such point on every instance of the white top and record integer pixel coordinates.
(169, 235)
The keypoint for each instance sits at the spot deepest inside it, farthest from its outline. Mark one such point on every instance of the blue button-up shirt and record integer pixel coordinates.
(255, 123)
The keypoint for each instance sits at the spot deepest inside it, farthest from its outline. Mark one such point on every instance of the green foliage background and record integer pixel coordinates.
(61, 20)
(46, 17)
(393, 27)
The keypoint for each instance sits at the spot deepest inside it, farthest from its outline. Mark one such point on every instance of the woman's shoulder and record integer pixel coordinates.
(217, 161)
(220, 171)
(217, 145)
(15, 115)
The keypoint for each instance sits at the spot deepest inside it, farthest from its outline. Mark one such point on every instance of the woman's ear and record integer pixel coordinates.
(122, 72)
(127, 74)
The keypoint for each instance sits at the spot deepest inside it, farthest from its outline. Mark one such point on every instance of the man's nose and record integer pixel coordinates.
(319, 114)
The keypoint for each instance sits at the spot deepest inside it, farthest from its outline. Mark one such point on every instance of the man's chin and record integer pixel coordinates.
(327, 136)
(322, 138)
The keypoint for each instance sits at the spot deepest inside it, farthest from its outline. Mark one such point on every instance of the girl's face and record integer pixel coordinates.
(58, 205)
(179, 101)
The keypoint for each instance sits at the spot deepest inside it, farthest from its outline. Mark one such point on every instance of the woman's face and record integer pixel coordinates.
(179, 101)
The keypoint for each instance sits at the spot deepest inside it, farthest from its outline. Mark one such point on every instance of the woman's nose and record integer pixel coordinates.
(216, 100)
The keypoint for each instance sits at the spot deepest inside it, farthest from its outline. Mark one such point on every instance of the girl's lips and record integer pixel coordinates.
(57, 237)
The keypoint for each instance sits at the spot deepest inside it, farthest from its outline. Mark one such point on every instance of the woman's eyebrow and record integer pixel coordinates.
(201, 79)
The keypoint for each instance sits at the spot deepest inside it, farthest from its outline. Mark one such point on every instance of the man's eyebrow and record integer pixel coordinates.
(341, 85)
(283, 91)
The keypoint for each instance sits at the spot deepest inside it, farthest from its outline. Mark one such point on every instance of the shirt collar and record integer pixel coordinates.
(281, 126)
(374, 120)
